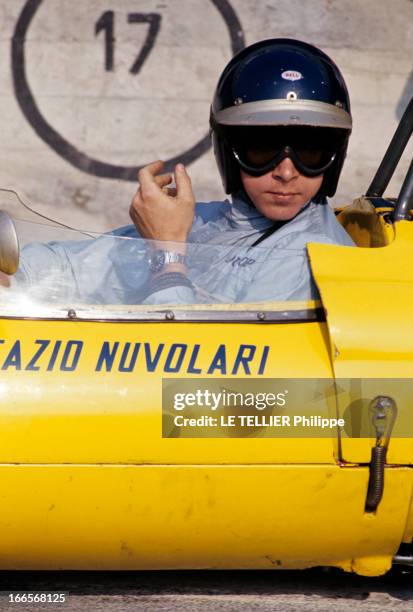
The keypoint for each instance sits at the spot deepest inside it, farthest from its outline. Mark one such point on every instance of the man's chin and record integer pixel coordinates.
(281, 212)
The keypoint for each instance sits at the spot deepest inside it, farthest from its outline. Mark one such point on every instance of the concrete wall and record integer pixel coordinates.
(60, 105)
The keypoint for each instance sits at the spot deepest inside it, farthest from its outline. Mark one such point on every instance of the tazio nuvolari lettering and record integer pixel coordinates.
(45, 355)
(183, 358)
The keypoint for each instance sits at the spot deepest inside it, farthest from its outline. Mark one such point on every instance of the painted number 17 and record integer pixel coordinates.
(106, 23)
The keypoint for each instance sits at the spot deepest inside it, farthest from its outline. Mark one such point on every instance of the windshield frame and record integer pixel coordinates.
(276, 312)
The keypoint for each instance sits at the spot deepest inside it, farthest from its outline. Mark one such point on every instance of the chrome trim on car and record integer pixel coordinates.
(168, 315)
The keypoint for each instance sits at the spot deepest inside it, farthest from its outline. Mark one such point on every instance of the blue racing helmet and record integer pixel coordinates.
(280, 83)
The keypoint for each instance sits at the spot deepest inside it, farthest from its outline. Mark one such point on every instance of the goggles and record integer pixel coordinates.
(258, 153)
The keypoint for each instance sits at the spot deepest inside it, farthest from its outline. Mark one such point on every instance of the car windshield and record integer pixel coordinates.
(69, 267)
(60, 267)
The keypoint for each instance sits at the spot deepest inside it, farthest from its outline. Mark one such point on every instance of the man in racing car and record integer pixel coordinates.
(280, 122)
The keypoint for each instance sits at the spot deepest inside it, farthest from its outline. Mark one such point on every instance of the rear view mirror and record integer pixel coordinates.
(9, 245)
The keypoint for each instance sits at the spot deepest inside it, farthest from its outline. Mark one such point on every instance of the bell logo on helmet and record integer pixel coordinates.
(291, 75)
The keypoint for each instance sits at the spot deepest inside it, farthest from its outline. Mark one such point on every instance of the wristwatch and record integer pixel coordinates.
(159, 259)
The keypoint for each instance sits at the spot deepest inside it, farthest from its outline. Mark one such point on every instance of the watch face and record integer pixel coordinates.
(157, 261)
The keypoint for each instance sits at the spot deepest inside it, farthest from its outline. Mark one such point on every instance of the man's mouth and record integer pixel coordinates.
(283, 194)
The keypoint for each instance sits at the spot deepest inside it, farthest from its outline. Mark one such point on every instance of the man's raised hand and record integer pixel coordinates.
(160, 212)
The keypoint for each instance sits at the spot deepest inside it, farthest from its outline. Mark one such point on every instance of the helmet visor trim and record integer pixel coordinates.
(285, 112)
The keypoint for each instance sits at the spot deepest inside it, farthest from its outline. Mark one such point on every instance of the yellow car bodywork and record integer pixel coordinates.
(88, 482)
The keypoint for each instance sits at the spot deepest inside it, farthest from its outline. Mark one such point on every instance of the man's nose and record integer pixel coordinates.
(285, 170)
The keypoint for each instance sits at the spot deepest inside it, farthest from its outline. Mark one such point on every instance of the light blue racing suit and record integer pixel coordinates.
(223, 265)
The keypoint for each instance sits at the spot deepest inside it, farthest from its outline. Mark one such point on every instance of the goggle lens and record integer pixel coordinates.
(311, 152)
(313, 158)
